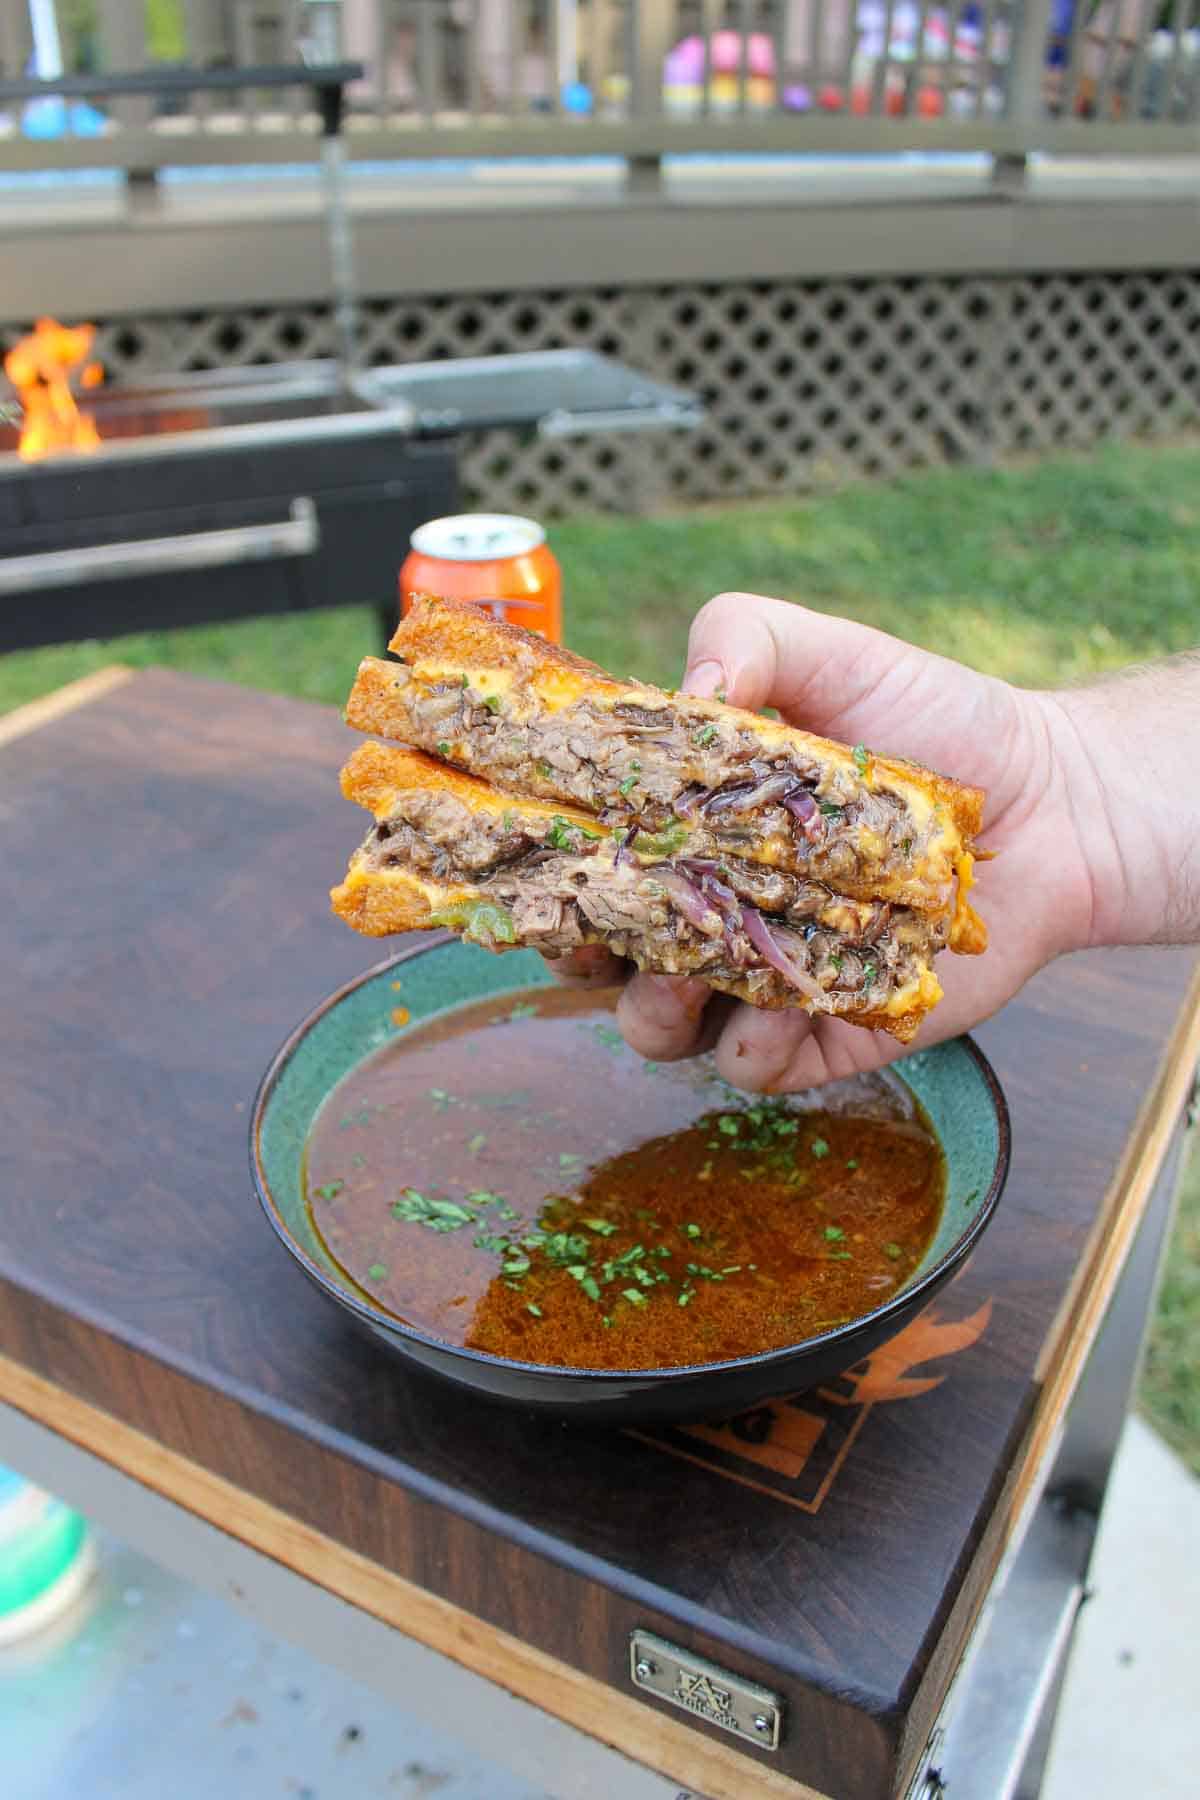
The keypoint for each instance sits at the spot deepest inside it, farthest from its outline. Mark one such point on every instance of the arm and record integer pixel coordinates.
(1093, 813)
(1129, 751)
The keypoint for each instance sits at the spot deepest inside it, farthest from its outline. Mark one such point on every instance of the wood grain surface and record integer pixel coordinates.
(167, 851)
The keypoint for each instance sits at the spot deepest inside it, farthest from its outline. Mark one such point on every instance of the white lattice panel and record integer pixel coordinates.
(803, 380)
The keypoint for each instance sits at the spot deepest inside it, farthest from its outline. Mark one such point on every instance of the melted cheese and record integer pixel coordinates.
(968, 933)
(549, 692)
(917, 995)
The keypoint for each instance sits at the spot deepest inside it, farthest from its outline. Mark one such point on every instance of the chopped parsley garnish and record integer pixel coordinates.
(535, 1310)
(466, 681)
(544, 769)
(634, 1296)
(906, 845)
(840, 1256)
(833, 1233)
(524, 1009)
(565, 1247)
(628, 785)
(330, 1191)
(720, 695)
(692, 1231)
(563, 833)
(438, 1215)
(862, 758)
(609, 1036)
(602, 1227)
(894, 1251)
(444, 747)
(819, 1148)
(705, 736)
(729, 1126)
(869, 973)
(830, 810)
(493, 702)
(685, 1295)
(377, 1272)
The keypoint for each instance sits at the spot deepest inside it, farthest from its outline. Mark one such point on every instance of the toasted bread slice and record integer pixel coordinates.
(539, 721)
(380, 776)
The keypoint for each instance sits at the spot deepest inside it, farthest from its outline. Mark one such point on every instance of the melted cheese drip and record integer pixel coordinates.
(918, 995)
(968, 933)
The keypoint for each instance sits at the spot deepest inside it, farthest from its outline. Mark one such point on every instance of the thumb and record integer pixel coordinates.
(848, 681)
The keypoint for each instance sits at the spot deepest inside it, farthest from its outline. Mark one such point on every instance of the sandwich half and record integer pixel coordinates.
(691, 778)
(505, 869)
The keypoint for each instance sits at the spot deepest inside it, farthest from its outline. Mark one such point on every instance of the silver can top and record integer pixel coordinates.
(478, 537)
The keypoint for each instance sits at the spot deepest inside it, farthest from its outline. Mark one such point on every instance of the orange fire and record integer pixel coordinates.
(41, 367)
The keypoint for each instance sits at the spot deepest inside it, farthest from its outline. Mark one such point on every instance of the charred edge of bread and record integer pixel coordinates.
(436, 629)
(378, 774)
(384, 903)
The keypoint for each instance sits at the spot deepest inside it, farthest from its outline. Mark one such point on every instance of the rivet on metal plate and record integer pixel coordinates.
(699, 1687)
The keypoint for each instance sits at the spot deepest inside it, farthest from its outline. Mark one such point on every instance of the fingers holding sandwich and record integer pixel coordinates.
(848, 681)
(589, 966)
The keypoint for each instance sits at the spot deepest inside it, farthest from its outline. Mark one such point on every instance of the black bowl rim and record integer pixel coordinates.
(376, 1316)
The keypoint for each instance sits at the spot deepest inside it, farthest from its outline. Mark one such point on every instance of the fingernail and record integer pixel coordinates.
(705, 680)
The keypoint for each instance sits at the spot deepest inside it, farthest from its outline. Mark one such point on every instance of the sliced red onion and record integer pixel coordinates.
(729, 799)
(684, 804)
(623, 852)
(805, 811)
(723, 898)
(688, 900)
(760, 935)
(745, 797)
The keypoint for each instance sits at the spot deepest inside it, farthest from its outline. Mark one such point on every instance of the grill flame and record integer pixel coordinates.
(42, 368)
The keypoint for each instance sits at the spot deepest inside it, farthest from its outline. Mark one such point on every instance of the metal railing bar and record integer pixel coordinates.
(883, 67)
(1108, 67)
(474, 72)
(984, 64)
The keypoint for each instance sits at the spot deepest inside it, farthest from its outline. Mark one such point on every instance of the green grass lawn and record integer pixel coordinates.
(1042, 574)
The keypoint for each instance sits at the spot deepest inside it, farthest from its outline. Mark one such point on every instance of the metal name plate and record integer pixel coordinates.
(701, 1688)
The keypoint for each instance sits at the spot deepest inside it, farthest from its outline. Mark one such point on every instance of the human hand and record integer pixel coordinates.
(849, 682)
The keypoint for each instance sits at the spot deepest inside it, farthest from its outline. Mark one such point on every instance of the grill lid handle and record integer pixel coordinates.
(297, 535)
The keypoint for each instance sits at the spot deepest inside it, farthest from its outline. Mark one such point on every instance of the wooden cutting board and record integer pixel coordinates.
(167, 846)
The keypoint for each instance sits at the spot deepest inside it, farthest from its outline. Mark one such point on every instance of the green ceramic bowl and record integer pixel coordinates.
(954, 1083)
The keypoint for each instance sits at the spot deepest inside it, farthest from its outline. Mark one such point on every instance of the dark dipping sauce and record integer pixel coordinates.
(514, 1179)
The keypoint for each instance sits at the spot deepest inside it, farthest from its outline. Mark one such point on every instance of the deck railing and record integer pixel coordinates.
(634, 78)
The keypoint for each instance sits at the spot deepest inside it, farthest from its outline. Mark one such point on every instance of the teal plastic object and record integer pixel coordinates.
(42, 1542)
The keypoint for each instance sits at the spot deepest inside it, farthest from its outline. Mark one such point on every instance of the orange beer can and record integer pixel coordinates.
(498, 560)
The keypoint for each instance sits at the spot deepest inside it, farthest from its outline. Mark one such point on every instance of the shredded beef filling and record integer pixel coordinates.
(726, 920)
(654, 766)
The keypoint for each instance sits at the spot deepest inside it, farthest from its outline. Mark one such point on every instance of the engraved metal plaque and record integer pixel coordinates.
(707, 1692)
